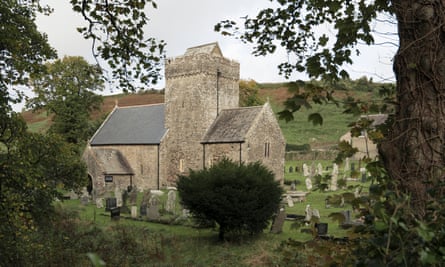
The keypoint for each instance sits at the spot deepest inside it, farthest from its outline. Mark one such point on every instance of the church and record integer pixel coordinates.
(199, 123)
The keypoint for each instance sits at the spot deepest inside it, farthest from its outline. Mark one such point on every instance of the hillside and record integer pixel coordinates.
(297, 132)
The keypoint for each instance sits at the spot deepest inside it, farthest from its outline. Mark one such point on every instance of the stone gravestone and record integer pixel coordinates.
(118, 196)
(346, 169)
(185, 213)
(312, 170)
(305, 170)
(308, 184)
(334, 177)
(171, 201)
(144, 203)
(99, 203)
(134, 211)
(291, 169)
(363, 172)
(357, 192)
(290, 201)
(319, 169)
(84, 200)
(153, 208)
(308, 213)
(115, 213)
(110, 203)
(316, 213)
(277, 226)
(133, 196)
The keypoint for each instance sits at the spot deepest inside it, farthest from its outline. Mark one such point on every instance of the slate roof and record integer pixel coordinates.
(231, 125)
(111, 161)
(211, 48)
(134, 125)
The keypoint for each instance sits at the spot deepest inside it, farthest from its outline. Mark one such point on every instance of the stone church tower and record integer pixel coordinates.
(199, 85)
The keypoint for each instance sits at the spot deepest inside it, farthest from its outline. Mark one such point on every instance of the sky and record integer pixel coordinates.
(184, 24)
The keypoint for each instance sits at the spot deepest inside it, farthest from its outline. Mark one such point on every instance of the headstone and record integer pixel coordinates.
(319, 169)
(156, 192)
(334, 168)
(346, 168)
(363, 172)
(118, 196)
(347, 215)
(84, 200)
(171, 201)
(316, 213)
(277, 226)
(322, 229)
(290, 201)
(185, 213)
(144, 203)
(134, 211)
(115, 213)
(99, 203)
(308, 184)
(305, 170)
(312, 170)
(73, 195)
(133, 196)
(357, 192)
(308, 213)
(143, 210)
(291, 169)
(110, 203)
(153, 208)
(292, 186)
(334, 177)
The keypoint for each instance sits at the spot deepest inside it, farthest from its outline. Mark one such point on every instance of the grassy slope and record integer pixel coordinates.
(298, 131)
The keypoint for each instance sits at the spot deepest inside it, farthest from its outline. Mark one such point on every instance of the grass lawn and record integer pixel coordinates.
(186, 245)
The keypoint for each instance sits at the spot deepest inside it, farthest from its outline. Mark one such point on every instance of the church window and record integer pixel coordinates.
(108, 178)
(266, 149)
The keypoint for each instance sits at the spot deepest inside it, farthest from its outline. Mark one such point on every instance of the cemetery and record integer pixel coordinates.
(318, 215)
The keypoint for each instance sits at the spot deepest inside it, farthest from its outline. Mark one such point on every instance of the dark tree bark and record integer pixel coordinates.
(413, 153)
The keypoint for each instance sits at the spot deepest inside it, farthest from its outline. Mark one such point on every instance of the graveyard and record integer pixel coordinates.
(160, 214)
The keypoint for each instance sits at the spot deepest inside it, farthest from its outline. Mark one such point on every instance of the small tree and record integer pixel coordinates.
(238, 197)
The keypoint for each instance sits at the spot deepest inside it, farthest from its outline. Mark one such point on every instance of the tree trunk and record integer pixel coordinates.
(413, 153)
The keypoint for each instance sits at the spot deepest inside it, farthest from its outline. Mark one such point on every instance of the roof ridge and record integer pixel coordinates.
(140, 106)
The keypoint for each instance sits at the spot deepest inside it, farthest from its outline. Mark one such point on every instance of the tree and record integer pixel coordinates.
(33, 169)
(32, 166)
(238, 197)
(410, 152)
(66, 89)
(248, 90)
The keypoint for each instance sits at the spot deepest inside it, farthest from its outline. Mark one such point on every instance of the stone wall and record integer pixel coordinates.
(266, 143)
(216, 152)
(143, 159)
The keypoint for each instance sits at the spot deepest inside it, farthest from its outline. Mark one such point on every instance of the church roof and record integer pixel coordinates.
(134, 125)
(231, 125)
(110, 161)
(211, 48)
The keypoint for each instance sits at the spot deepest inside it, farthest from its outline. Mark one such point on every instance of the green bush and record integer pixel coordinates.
(238, 197)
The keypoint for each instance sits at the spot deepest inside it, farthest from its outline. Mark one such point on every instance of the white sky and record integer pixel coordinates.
(183, 24)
